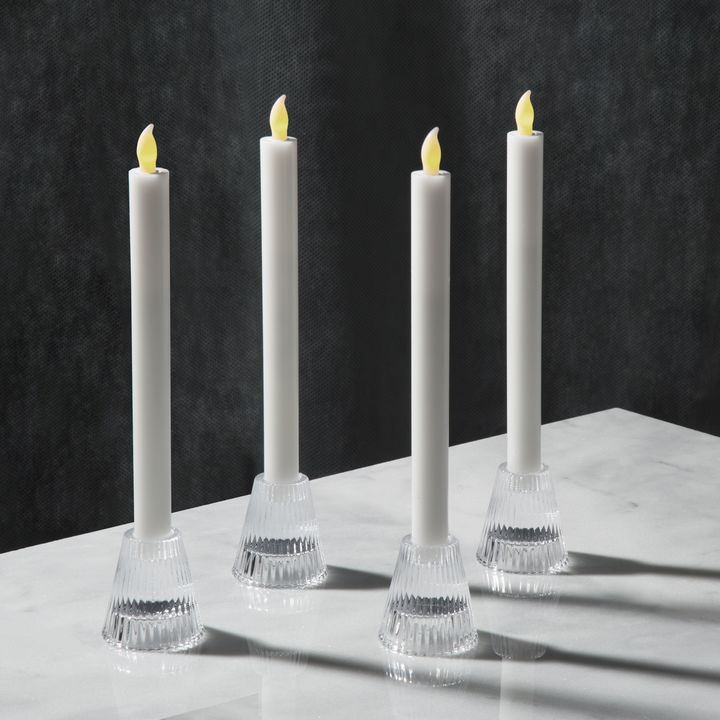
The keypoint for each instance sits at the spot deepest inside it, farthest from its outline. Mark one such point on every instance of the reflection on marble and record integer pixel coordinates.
(431, 672)
(281, 601)
(631, 629)
(281, 672)
(172, 674)
(157, 664)
(517, 690)
(280, 667)
(520, 613)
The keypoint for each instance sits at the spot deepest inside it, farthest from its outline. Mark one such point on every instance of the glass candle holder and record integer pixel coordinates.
(428, 610)
(522, 532)
(280, 542)
(152, 606)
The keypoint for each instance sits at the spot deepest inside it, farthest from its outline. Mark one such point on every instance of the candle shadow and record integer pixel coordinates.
(683, 613)
(590, 564)
(226, 644)
(606, 662)
(221, 643)
(345, 578)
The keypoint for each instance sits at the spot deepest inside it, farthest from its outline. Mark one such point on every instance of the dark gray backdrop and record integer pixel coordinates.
(627, 94)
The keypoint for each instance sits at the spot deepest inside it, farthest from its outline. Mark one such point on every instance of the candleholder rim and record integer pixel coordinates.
(299, 479)
(543, 470)
(451, 540)
(131, 536)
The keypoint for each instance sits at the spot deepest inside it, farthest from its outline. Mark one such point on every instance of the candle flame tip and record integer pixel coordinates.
(279, 119)
(147, 150)
(525, 114)
(431, 153)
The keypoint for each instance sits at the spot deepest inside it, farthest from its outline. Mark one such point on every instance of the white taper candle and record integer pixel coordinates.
(524, 291)
(430, 327)
(150, 296)
(278, 188)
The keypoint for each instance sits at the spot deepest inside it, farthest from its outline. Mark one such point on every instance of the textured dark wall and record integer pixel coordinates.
(627, 94)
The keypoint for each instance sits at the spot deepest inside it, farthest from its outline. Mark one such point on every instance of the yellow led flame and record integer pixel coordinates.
(147, 150)
(279, 119)
(430, 153)
(524, 115)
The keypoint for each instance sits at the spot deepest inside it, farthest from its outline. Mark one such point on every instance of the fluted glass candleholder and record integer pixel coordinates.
(428, 610)
(522, 532)
(152, 606)
(280, 542)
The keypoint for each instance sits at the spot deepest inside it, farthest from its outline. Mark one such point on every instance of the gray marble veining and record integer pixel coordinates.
(631, 630)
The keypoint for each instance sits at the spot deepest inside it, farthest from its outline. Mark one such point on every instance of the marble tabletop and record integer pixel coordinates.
(631, 630)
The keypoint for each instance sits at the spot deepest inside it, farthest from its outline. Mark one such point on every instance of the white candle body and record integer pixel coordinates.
(430, 326)
(524, 300)
(150, 291)
(278, 187)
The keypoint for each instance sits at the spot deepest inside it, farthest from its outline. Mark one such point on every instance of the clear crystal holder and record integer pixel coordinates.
(522, 532)
(280, 543)
(152, 606)
(428, 610)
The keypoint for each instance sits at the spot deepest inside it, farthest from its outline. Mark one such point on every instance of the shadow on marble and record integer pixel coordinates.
(345, 578)
(221, 643)
(452, 676)
(605, 662)
(589, 564)
(682, 613)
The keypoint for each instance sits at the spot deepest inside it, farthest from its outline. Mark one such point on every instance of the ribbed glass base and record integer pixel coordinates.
(152, 606)
(280, 544)
(428, 610)
(522, 531)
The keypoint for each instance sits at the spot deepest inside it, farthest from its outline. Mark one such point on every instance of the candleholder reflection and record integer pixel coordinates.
(280, 542)
(430, 672)
(287, 618)
(518, 609)
(428, 611)
(517, 690)
(424, 687)
(152, 664)
(522, 532)
(152, 606)
(281, 682)
(168, 679)
(277, 602)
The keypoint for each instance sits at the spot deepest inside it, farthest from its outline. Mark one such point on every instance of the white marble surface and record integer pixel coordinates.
(633, 630)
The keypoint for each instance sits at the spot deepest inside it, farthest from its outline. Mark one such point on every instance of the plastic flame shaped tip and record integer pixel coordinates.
(147, 150)
(279, 119)
(525, 114)
(431, 153)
